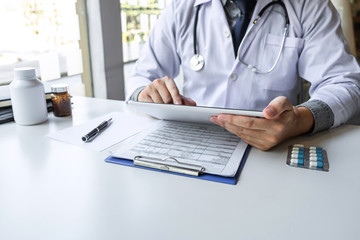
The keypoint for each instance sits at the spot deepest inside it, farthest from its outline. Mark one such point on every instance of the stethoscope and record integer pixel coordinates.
(197, 62)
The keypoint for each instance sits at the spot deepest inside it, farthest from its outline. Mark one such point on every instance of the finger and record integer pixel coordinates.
(153, 93)
(188, 101)
(244, 121)
(159, 91)
(256, 137)
(273, 131)
(276, 107)
(148, 95)
(239, 131)
(261, 139)
(156, 98)
(143, 97)
(174, 91)
(257, 143)
(214, 119)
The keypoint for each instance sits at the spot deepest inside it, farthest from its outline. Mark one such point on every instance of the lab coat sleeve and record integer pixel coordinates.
(326, 62)
(159, 56)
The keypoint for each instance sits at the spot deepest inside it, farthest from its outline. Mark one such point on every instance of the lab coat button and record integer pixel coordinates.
(226, 33)
(233, 76)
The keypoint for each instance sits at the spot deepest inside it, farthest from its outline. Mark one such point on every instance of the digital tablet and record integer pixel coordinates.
(186, 113)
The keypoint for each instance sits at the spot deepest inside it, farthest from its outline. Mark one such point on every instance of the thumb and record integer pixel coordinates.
(188, 101)
(276, 107)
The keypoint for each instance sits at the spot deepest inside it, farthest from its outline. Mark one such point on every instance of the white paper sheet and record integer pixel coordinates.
(122, 126)
(208, 146)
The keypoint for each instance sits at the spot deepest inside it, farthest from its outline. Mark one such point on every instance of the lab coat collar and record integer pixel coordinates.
(259, 5)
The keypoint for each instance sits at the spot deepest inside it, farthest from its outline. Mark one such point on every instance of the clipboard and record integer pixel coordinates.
(203, 176)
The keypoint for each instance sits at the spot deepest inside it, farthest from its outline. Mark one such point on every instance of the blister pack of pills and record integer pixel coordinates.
(312, 157)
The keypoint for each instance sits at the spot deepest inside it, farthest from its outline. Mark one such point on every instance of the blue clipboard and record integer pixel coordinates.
(205, 176)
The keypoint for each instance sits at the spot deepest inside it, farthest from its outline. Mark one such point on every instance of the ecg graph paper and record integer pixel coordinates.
(210, 146)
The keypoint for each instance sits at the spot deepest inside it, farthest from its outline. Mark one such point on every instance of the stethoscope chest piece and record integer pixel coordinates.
(197, 62)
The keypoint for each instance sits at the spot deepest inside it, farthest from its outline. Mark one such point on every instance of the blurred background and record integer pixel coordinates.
(92, 45)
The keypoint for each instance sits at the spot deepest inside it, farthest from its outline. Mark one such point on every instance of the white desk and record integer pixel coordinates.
(52, 190)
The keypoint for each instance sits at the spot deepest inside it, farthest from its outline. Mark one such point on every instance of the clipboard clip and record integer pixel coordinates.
(170, 164)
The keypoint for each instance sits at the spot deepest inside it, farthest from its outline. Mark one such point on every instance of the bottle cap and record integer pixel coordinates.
(25, 73)
(59, 87)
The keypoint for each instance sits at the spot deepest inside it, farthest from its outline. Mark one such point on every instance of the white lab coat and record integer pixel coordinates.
(315, 50)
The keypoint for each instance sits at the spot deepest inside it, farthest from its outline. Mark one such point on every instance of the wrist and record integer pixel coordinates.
(305, 121)
(322, 113)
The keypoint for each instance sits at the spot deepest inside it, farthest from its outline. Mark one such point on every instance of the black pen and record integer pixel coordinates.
(93, 133)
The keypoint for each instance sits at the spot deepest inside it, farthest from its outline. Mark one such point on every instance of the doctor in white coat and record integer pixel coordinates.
(313, 49)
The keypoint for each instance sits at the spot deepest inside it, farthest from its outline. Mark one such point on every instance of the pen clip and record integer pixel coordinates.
(164, 164)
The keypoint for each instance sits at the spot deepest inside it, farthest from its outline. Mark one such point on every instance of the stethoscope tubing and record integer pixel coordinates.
(251, 67)
(195, 27)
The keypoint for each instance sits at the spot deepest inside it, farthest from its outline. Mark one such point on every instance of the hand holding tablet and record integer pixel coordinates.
(186, 113)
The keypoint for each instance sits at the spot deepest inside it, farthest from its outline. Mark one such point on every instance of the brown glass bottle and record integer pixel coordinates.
(61, 100)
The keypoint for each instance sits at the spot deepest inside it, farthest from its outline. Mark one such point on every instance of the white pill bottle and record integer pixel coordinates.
(28, 97)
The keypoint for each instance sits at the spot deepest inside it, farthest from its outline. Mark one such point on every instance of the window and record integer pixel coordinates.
(137, 18)
(43, 34)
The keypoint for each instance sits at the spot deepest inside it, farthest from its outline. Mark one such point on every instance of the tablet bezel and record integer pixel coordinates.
(185, 113)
